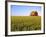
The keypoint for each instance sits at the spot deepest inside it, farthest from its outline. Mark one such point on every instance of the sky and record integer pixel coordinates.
(19, 10)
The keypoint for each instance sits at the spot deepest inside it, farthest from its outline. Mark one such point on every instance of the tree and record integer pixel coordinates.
(34, 13)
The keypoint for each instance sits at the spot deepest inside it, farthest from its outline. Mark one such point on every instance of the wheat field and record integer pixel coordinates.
(25, 23)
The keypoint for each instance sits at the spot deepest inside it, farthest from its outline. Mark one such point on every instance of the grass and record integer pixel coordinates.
(25, 23)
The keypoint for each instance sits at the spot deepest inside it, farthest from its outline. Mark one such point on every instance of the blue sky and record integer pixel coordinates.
(19, 10)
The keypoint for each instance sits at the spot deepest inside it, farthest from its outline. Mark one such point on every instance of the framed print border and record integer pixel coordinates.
(6, 18)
